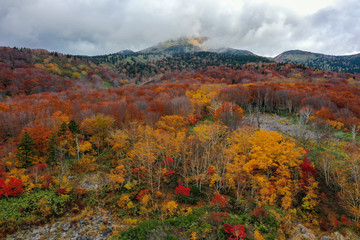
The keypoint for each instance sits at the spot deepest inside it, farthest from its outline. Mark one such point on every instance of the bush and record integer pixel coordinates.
(189, 195)
(34, 208)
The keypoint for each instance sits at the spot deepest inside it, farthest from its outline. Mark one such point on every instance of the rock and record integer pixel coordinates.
(303, 230)
(302, 233)
(85, 229)
(326, 238)
(66, 226)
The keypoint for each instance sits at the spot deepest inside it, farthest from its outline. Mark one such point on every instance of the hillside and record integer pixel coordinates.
(215, 146)
(349, 63)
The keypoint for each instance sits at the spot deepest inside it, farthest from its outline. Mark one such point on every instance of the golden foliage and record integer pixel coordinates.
(117, 177)
(170, 208)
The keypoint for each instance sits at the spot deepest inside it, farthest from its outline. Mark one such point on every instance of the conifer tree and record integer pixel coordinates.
(73, 127)
(52, 151)
(26, 151)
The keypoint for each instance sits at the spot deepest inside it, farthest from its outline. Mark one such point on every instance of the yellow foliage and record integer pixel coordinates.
(145, 200)
(172, 123)
(130, 205)
(258, 236)
(124, 200)
(203, 97)
(130, 221)
(208, 131)
(85, 146)
(186, 211)
(193, 235)
(102, 227)
(44, 207)
(52, 68)
(131, 185)
(20, 173)
(62, 182)
(85, 164)
(267, 161)
(39, 65)
(170, 208)
(116, 177)
(336, 125)
(119, 141)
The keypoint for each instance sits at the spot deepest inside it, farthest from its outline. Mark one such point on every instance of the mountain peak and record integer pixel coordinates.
(190, 45)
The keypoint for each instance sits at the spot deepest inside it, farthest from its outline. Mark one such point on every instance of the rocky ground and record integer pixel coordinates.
(303, 233)
(92, 228)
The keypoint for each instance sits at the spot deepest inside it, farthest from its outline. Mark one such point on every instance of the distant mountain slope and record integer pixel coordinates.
(348, 63)
(233, 51)
(189, 45)
(175, 47)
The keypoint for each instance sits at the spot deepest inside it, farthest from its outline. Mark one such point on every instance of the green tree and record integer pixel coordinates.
(73, 127)
(52, 151)
(26, 151)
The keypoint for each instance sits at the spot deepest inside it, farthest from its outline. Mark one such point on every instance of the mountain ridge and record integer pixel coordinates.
(337, 63)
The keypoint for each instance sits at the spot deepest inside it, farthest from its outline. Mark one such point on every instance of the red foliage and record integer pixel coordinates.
(182, 190)
(345, 221)
(12, 188)
(48, 181)
(168, 160)
(192, 119)
(169, 173)
(227, 228)
(220, 200)
(142, 194)
(211, 171)
(61, 191)
(41, 166)
(2, 173)
(218, 216)
(336, 223)
(259, 212)
(307, 171)
(237, 232)
(324, 225)
(79, 191)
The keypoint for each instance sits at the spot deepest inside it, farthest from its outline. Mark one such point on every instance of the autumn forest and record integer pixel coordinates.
(191, 146)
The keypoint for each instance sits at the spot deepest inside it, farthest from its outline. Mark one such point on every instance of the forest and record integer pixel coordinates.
(180, 147)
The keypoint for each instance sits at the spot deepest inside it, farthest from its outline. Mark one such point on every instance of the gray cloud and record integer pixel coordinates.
(98, 27)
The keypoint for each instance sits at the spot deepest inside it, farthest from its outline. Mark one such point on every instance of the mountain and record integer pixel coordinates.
(347, 63)
(233, 51)
(189, 45)
(125, 52)
(176, 47)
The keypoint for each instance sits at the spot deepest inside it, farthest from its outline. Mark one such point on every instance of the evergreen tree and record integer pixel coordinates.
(73, 127)
(26, 151)
(63, 129)
(52, 151)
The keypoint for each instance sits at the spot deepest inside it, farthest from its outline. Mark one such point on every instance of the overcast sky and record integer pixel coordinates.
(265, 27)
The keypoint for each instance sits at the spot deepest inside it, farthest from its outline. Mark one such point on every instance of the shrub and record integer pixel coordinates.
(11, 188)
(28, 209)
(182, 190)
(219, 200)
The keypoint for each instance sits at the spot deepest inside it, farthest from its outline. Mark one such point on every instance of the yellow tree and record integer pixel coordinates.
(237, 153)
(204, 99)
(206, 149)
(143, 156)
(350, 182)
(271, 164)
(98, 129)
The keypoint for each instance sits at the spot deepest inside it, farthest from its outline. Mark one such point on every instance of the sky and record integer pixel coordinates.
(265, 27)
